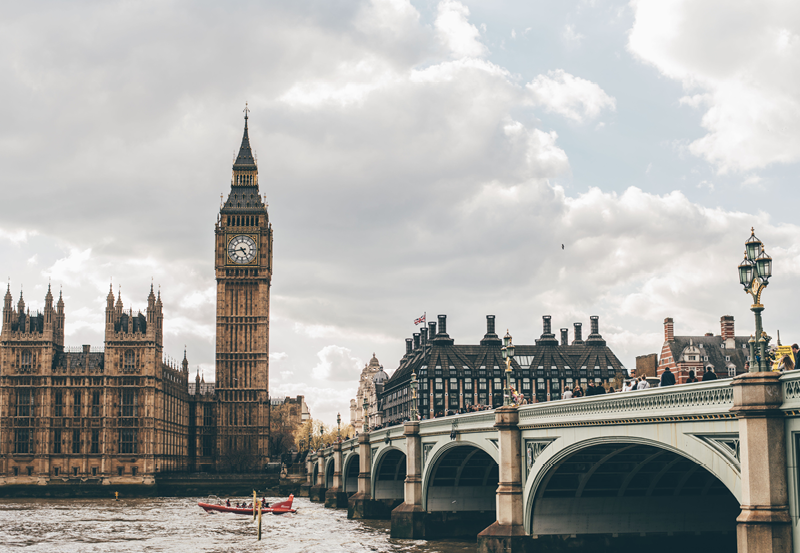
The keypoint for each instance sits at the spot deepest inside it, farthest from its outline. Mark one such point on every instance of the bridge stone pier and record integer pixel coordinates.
(709, 466)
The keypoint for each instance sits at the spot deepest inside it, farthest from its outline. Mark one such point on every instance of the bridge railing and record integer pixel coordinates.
(393, 432)
(696, 400)
(790, 382)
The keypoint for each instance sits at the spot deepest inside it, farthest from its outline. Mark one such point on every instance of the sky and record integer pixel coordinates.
(418, 156)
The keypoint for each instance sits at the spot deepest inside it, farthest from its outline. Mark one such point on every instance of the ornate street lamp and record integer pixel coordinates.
(310, 429)
(366, 411)
(754, 273)
(414, 412)
(508, 355)
(338, 427)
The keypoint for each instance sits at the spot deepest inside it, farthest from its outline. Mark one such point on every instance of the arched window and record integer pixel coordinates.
(27, 360)
(129, 364)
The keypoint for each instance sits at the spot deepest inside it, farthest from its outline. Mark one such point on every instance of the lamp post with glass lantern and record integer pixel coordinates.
(754, 273)
(508, 355)
(338, 427)
(414, 412)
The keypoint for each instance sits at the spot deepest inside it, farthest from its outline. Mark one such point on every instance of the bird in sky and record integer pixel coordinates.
(562, 246)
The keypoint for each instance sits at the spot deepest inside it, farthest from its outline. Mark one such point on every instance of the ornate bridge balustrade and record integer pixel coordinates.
(707, 466)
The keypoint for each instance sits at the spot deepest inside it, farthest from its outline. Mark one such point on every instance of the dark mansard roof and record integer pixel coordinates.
(441, 353)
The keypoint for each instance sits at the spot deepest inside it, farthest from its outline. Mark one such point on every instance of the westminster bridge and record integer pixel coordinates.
(707, 466)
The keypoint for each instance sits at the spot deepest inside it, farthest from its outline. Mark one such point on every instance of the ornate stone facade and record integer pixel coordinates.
(121, 414)
(243, 263)
(118, 414)
(370, 385)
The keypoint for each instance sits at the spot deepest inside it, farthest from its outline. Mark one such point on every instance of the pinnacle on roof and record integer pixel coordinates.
(245, 161)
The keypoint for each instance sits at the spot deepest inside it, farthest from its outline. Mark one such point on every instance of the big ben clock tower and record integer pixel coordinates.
(243, 261)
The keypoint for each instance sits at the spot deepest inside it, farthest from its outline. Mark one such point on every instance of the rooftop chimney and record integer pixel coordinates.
(491, 336)
(726, 327)
(669, 330)
(594, 338)
(441, 337)
(578, 335)
(547, 338)
(416, 340)
(564, 336)
(431, 330)
(424, 334)
(409, 345)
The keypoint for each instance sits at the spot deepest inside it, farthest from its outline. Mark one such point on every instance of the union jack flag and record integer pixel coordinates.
(420, 320)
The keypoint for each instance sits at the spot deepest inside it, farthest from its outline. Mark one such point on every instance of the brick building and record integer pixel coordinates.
(453, 377)
(725, 353)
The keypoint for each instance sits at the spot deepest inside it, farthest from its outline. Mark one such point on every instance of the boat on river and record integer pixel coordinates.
(280, 508)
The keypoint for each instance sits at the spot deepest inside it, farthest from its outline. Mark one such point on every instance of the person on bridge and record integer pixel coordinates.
(667, 378)
(643, 384)
(709, 374)
(692, 378)
(567, 394)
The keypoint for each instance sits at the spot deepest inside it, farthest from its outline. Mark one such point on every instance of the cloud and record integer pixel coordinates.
(571, 37)
(336, 363)
(573, 97)
(739, 62)
(455, 31)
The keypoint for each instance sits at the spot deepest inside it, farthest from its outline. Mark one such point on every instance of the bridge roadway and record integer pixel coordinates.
(710, 466)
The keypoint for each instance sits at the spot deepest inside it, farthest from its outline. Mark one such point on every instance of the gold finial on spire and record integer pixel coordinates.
(246, 110)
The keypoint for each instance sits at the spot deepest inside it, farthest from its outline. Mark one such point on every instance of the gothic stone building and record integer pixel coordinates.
(453, 377)
(122, 414)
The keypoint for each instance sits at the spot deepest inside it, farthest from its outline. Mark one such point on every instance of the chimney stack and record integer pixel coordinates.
(564, 336)
(490, 338)
(578, 334)
(409, 345)
(669, 330)
(416, 340)
(595, 320)
(546, 329)
(442, 324)
(424, 334)
(431, 330)
(726, 327)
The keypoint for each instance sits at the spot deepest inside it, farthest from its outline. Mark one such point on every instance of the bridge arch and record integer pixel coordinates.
(630, 485)
(460, 476)
(329, 470)
(389, 474)
(350, 473)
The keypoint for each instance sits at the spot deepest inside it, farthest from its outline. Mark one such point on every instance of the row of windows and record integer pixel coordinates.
(243, 220)
(25, 402)
(69, 441)
(57, 471)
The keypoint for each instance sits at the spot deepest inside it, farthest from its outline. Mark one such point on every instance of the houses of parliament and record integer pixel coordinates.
(121, 413)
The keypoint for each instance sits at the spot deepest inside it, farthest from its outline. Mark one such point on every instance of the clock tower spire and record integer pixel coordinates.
(243, 263)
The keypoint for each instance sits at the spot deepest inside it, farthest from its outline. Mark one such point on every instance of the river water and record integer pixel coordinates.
(178, 525)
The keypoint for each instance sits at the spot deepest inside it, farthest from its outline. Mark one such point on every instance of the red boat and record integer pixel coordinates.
(277, 509)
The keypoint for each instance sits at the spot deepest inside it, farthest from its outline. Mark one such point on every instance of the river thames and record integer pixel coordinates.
(178, 524)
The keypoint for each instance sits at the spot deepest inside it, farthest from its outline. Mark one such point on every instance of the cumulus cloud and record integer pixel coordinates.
(337, 363)
(573, 97)
(738, 62)
(456, 32)
(405, 169)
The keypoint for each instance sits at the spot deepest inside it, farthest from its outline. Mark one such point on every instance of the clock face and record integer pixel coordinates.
(242, 249)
